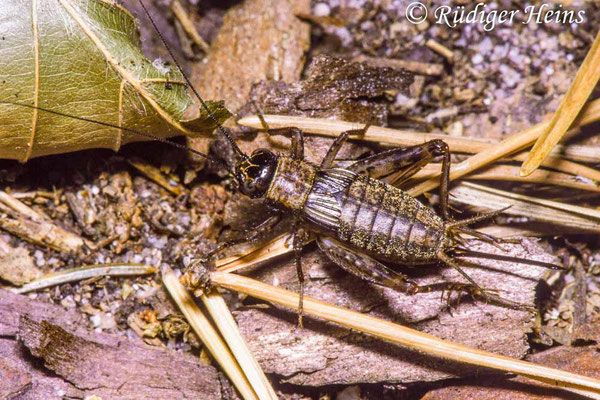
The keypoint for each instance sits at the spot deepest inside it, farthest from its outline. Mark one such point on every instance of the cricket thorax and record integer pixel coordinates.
(292, 183)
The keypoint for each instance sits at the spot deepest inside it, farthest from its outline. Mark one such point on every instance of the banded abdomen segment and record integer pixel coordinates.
(388, 223)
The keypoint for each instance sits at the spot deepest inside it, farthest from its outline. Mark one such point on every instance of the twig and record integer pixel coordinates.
(580, 90)
(440, 49)
(156, 175)
(208, 335)
(404, 336)
(417, 67)
(19, 207)
(86, 272)
(188, 25)
(580, 218)
(511, 173)
(36, 228)
(229, 329)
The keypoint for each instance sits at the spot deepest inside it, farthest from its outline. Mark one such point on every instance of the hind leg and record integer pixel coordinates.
(396, 166)
(371, 270)
(476, 290)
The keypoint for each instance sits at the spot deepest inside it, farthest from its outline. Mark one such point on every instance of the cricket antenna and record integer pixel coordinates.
(108, 124)
(220, 128)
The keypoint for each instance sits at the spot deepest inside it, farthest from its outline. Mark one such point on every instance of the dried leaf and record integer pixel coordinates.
(83, 58)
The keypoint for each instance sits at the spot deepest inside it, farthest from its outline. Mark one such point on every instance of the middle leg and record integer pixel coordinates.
(299, 240)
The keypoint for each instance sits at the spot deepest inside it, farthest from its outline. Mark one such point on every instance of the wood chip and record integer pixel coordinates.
(324, 354)
(583, 360)
(17, 267)
(120, 369)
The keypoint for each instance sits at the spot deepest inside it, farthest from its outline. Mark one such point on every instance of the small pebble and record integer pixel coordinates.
(95, 320)
(321, 10)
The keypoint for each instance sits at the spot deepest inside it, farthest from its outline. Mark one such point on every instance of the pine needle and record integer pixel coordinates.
(86, 272)
(511, 173)
(580, 90)
(580, 218)
(405, 336)
(208, 335)
(486, 152)
(229, 329)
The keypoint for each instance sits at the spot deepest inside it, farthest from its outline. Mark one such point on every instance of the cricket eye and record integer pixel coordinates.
(255, 174)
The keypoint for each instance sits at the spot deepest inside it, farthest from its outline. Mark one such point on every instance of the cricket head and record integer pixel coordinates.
(255, 173)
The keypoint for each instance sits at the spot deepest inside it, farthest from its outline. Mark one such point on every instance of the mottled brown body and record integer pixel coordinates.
(292, 183)
(389, 224)
(360, 219)
(364, 213)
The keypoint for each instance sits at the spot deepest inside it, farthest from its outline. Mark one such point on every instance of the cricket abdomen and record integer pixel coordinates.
(376, 218)
(388, 223)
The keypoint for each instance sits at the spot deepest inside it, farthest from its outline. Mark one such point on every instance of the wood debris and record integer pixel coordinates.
(324, 354)
(87, 364)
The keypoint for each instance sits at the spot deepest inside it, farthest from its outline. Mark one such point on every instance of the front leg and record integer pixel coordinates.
(297, 136)
(195, 273)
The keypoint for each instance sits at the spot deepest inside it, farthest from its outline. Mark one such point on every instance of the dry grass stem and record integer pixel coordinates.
(257, 254)
(208, 335)
(511, 173)
(404, 336)
(487, 152)
(188, 25)
(580, 219)
(229, 329)
(86, 272)
(580, 90)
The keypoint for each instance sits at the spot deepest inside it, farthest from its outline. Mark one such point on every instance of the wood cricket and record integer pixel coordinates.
(361, 220)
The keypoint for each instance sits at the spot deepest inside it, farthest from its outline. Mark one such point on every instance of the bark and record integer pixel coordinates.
(324, 354)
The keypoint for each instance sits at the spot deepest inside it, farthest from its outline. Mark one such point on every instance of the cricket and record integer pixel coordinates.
(357, 211)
